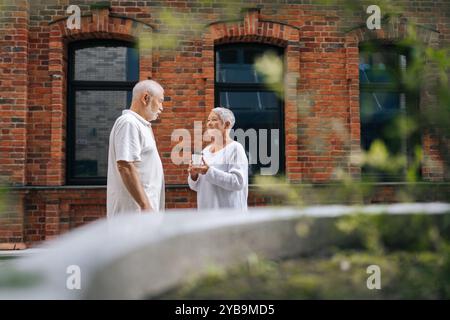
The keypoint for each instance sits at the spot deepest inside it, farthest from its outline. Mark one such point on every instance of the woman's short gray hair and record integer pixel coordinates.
(225, 115)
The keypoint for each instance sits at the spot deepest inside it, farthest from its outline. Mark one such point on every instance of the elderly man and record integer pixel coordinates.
(135, 172)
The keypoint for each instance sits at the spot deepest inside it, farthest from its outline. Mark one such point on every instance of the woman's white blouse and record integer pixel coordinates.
(225, 185)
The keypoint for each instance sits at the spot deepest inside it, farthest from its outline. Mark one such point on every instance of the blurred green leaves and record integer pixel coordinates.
(378, 157)
(15, 279)
(270, 67)
(425, 78)
(412, 251)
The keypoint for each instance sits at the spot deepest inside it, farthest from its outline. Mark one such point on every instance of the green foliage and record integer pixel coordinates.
(380, 232)
(428, 68)
(270, 66)
(404, 276)
(412, 251)
(378, 157)
(12, 278)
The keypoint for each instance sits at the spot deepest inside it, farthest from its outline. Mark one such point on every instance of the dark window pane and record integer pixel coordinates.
(376, 104)
(256, 108)
(380, 67)
(251, 54)
(95, 113)
(253, 141)
(105, 63)
(132, 64)
(228, 56)
(235, 73)
(94, 104)
(237, 65)
(379, 111)
(249, 100)
(383, 104)
(251, 119)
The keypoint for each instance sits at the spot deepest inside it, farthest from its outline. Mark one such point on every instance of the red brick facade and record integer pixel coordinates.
(321, 62)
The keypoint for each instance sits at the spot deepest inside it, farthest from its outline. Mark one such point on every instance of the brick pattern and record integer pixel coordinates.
(321, 103)
(14, 37)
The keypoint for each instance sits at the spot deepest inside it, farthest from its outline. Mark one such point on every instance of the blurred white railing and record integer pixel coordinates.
(137, 256)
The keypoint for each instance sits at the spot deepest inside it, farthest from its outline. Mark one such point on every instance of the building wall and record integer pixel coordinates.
(322, 91)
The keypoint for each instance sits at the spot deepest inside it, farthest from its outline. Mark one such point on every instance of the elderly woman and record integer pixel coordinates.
(221, 181)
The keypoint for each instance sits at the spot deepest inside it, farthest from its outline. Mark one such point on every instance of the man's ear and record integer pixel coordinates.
(147, 98)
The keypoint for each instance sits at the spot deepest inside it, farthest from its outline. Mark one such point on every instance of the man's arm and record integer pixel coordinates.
(130, 178)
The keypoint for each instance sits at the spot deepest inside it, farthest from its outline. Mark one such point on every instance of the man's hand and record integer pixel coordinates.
(146, 208)
(131, 180)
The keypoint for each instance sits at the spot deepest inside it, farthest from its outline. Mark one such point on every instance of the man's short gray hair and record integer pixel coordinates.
(149, 86)
(225, 115)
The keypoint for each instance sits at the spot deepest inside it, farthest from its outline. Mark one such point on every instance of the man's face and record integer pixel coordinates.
(154, 105)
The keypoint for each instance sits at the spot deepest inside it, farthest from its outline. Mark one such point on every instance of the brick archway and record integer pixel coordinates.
(100, 25)
(254, 28)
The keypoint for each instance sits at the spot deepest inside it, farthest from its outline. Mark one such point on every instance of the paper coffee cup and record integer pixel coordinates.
(196, 159)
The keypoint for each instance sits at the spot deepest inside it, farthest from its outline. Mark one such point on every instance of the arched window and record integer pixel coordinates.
(384, 101)
(101, 76)
(257, 108)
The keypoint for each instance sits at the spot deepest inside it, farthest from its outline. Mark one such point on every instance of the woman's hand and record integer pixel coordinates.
(203, 169)
(193, 171)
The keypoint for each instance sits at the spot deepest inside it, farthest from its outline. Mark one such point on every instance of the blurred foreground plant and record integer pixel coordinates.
(427, 73)
(412, 251)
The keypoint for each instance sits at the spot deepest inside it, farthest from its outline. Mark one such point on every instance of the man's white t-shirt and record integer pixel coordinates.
(225, 185)
(132, 140)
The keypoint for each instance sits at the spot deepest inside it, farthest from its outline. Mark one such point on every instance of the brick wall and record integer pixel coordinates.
(14, 21)
(321, 105)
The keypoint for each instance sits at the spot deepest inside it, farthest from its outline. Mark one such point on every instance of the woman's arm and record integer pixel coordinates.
(193, 177)
(231, 181)
(237, 176)
(193, 184)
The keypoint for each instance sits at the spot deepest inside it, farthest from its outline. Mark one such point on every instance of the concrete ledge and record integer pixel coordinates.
(13, 246)
(137, 256)
(20, 253)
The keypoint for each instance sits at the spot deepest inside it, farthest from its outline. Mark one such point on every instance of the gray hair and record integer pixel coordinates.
(149, 86)
(225, 115)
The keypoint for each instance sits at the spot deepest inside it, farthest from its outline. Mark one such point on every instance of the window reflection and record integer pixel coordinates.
(256, 107)
(384, 101)
(99, 88)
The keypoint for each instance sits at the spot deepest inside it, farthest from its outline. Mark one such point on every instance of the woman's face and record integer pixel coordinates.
(214, 121)
(215, 125)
